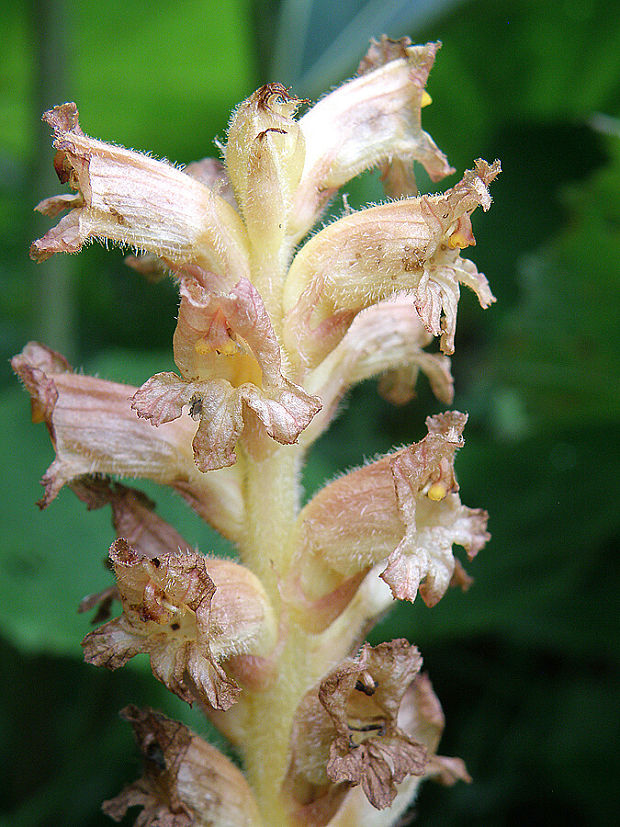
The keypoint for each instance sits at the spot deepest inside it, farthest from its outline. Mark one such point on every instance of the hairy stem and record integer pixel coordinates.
(272, 502)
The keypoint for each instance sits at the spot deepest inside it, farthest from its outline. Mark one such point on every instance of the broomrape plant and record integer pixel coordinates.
(274, 327)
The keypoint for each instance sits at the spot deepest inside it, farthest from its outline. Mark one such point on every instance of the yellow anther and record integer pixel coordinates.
(203, 348)
(437, 492)
(457, 239)
(426, 99)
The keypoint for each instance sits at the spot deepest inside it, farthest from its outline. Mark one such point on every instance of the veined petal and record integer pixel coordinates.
(403, 508)
(95, 431)
(420, 716)
(345, 732)
(189, 614)
(387, 336)
(185, 782)
(231, 377)
(132, 199)
(372, 119)
(410, 245)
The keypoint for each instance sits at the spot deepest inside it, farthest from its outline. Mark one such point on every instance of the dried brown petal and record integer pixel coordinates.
(133, 516)
(185, 782)
(346, 730)
(421, 718)
(171, 613)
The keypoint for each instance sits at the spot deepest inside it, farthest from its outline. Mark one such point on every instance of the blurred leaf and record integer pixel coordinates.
(319, 43)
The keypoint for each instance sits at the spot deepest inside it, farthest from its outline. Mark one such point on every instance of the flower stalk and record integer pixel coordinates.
(271, 334)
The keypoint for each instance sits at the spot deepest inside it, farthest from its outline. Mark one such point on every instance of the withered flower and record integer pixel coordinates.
(189, 615)
(186, 781)
(346, 732)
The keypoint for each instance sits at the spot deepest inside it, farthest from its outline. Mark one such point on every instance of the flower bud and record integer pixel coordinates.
(264, 158)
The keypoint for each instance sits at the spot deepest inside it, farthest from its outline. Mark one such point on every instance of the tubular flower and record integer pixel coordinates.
(188, 617)
(410, 245)
(186, 781)
(94, 430)
(402, 511)
(229, 336)
(275, 325)
(346, 733)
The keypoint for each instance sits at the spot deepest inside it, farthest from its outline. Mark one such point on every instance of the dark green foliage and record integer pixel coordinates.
(526, 663)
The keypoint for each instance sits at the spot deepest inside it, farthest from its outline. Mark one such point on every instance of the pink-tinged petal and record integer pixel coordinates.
(345, 732)
(171, 612)
(231, 377)
(185, 782)
(420, 716)
(386, 337)
(212, 173)
(131, 199)
(403, 510)
(371, 120)
(95, 431)
(408, 246)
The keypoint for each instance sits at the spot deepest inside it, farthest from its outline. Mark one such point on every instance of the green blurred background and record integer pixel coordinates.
(526, 664)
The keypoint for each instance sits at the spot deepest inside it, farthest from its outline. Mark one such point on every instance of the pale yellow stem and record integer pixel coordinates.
(272, 497)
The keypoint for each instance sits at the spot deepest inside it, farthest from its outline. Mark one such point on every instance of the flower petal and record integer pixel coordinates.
(185, 782)
(370, 120)
(420, 716)
(230, 362)
(94, 431)
(432, 513)
(129, 198)
(410, 245)
(403, 509)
